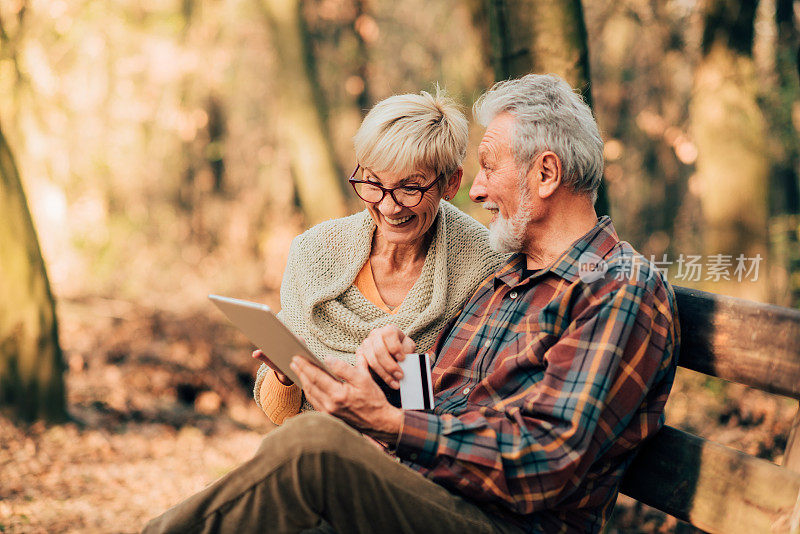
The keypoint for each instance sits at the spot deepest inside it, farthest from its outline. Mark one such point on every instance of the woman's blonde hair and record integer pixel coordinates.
(406, 133)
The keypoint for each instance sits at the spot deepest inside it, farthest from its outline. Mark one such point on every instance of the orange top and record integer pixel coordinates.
(365, 283)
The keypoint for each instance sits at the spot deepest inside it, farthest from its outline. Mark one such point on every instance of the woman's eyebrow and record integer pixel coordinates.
(369, 174)
(415, 177)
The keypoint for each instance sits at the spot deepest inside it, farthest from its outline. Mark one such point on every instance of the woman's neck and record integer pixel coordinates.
(400, 256)
(395, 268)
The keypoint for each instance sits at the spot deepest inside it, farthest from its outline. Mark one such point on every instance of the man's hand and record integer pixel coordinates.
(382, 349)
(357, 400)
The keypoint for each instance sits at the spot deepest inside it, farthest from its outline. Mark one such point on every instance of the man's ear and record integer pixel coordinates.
(545, 174)
(453, 183)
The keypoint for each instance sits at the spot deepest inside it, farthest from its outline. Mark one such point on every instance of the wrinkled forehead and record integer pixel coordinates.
(499, 136)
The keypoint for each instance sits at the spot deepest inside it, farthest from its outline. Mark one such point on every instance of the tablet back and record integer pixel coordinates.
(263, 328)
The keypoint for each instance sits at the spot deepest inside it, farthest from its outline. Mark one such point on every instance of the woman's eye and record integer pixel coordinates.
(409, 191)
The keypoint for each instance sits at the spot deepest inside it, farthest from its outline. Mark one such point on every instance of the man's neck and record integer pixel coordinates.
(551, 236)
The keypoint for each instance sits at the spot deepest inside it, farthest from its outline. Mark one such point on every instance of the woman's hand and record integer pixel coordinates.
(282, 378)
(382, 349)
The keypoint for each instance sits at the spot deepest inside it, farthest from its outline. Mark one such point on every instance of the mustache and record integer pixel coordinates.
(490, 206)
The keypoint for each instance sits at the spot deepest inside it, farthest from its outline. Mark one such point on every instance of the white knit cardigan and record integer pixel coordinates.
(321, 305)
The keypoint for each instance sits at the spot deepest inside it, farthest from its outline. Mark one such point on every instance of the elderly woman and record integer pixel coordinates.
(409, 259)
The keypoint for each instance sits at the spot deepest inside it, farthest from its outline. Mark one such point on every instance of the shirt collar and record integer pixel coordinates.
(599, 241)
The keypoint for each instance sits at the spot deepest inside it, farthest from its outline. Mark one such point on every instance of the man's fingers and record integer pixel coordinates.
(324, 393)
(409, 346)
(316, 376)
(394, 345)
(372, 363)
(316, 401)
(342, 369)
(392, 353)
(383, 364)
(310, 388)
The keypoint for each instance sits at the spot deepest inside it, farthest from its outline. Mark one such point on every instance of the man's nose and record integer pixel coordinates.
(477, 193)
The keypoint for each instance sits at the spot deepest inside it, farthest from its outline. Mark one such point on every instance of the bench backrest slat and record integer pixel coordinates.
(742, 341)
(714, 487)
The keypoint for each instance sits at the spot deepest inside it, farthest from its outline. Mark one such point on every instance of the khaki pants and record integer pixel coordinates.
(316, 472)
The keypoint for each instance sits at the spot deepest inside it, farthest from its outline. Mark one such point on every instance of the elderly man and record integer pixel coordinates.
(555, 372)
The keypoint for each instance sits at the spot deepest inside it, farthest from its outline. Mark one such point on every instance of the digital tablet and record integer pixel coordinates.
(263, 328)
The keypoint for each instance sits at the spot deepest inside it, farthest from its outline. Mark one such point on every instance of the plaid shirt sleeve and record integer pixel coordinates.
(529, 450)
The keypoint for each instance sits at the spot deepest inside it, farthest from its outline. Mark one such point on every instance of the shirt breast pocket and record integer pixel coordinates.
(528, 342)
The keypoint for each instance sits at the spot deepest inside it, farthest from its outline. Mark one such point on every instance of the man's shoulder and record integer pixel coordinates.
(623, 270)
(626, 265)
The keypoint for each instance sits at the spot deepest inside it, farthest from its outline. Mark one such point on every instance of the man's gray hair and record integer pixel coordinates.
(548, 115)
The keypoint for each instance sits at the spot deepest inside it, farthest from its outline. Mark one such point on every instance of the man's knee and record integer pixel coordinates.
(310, 432)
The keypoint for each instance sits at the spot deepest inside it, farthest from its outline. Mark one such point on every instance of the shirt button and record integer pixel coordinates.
(487, 343)
(413, 455)
(513, 294)
(466, 391)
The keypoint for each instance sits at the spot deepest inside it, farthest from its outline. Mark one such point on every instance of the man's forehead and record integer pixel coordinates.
(498, 135)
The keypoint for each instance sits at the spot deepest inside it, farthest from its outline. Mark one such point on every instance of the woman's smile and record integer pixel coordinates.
(399, 221)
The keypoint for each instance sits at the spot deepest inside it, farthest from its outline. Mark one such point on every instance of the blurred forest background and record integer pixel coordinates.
(172, 148)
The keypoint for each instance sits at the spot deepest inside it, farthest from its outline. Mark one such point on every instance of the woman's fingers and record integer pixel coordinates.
(282, 378)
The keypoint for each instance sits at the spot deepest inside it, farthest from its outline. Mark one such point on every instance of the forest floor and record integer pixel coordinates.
(161, 406)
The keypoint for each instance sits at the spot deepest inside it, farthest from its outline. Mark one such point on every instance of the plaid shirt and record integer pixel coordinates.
(546, 384)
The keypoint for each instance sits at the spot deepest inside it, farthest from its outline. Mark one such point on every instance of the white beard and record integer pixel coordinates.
(507, 235)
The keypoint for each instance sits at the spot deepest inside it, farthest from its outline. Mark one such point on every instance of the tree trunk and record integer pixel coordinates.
(318, 181)
(730, 131)
(542, 36)
(779, 99)
(31, 364)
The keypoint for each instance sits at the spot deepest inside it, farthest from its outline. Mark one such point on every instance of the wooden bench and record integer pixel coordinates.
(709, 485)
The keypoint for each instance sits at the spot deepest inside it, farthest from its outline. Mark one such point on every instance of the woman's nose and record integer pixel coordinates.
(387, 205)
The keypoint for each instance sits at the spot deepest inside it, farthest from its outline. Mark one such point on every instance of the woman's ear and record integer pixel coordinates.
(453, 183)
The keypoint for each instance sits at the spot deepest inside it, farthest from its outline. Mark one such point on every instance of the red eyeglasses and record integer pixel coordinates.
(407, 196)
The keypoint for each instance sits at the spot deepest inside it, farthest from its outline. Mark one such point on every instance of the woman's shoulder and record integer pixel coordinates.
(467, 236)
(325, 259)
(460, 222)
(331, 236)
